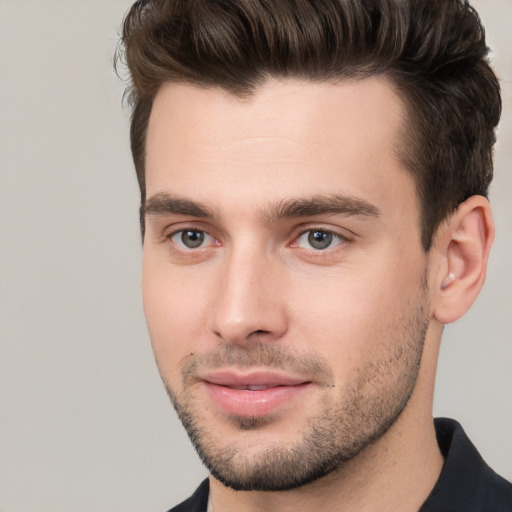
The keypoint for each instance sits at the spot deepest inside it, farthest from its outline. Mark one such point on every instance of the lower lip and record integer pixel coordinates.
(243, 402)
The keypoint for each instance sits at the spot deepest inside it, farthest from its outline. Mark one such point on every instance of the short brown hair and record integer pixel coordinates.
(433, 51)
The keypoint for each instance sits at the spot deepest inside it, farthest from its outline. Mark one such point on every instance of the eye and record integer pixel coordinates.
(319, 239)
(190, 238)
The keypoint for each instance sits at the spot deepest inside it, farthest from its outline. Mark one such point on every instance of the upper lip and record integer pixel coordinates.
(267, 379)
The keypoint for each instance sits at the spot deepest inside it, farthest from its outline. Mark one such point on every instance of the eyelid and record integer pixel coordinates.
(181, 229)
(334, 241)
(186, 225)
(338, 232)
(344, 236)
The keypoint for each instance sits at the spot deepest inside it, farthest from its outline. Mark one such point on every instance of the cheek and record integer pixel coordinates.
(172, 307)
(346, 315)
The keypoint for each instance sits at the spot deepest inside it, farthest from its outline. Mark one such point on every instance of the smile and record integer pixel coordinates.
(256, 394)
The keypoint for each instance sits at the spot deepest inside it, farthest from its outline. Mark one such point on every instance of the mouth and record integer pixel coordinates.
(254, 394)
(249, 387)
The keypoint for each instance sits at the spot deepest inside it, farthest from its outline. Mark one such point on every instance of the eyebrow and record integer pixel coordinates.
(167, 204)
(162, 204)
(333, 204)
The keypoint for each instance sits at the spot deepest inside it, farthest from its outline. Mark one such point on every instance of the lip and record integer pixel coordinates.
(253, 394)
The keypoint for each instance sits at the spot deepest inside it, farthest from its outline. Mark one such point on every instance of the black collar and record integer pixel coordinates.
(466, 483)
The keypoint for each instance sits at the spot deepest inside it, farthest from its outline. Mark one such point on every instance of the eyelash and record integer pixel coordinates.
(184, 230)
(333, 236)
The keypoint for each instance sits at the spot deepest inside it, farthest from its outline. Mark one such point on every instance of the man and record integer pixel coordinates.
(313, 181)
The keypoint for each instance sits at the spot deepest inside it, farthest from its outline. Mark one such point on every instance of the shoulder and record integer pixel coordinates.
(498, 492)
(198, 502)
(466, 481)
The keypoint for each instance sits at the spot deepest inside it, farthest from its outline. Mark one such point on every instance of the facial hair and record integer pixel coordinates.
(364, 410)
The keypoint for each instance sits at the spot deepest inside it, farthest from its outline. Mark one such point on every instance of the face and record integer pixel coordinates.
(283, 274)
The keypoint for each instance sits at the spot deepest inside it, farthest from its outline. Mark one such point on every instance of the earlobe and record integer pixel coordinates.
(463, 245)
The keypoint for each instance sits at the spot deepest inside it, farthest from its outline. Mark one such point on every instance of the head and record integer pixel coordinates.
(309, 171)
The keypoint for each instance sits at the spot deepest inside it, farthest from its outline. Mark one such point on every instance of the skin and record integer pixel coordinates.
(358, 322)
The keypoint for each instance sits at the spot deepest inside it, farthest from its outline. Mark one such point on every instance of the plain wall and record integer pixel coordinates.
(85, 424)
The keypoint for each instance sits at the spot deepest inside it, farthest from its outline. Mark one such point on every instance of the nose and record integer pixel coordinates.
(249, 302)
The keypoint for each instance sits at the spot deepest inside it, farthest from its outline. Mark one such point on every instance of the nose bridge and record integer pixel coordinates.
(246, 304)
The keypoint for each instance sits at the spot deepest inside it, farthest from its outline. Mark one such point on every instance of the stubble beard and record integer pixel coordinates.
(364, 412)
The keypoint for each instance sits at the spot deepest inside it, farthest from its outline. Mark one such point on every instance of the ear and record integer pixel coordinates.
(462, 247)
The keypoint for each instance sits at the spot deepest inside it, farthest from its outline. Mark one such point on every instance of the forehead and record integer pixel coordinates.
(290, 137)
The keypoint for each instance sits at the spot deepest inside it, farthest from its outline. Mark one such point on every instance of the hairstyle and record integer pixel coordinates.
(434, 52)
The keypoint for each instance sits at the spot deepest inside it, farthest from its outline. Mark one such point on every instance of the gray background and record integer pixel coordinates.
(85, 424)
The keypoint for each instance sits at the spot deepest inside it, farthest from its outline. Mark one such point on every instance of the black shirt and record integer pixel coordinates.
(466, 482)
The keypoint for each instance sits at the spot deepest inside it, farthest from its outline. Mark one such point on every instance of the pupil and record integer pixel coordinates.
(320, 239)
(192, 239)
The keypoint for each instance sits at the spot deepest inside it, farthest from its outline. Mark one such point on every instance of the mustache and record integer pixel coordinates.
(258, 355)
